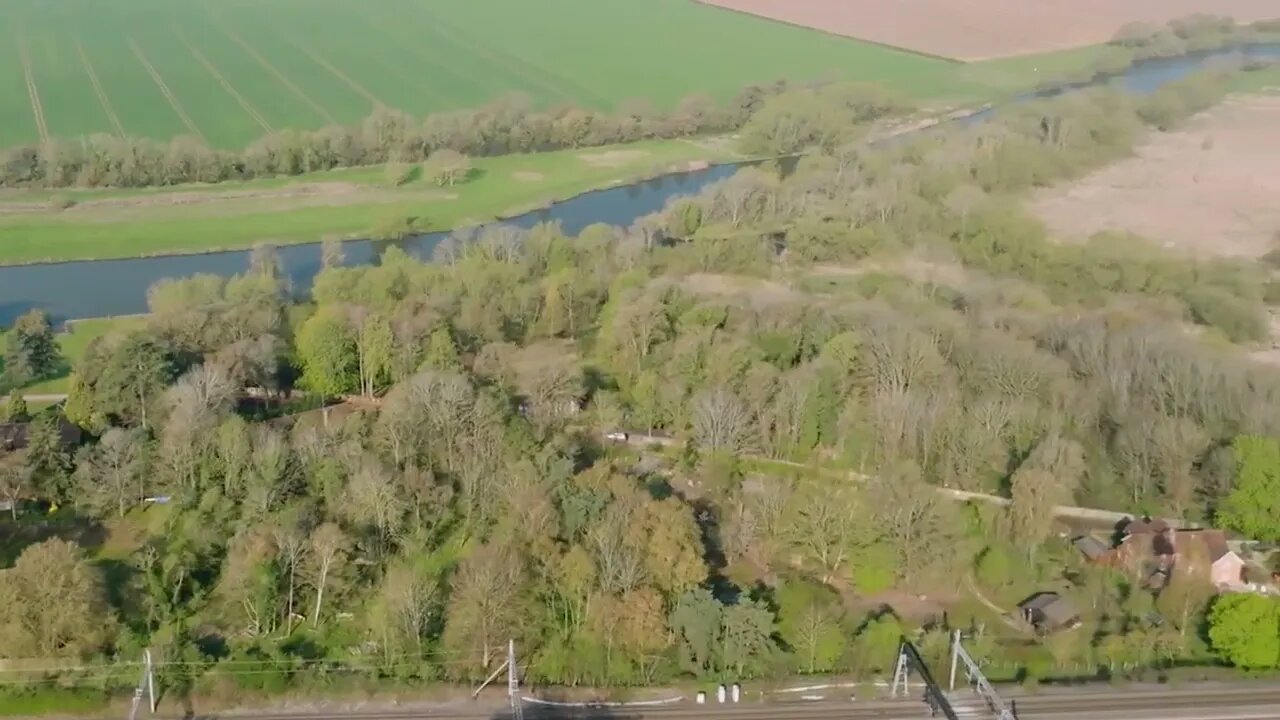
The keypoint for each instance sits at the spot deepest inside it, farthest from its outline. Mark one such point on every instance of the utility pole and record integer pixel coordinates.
(955, 659)
(146, 684)
(513, 682)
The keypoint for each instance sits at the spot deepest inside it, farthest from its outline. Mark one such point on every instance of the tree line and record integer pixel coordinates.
(511, 124)
(887, 313)
(1189, 34)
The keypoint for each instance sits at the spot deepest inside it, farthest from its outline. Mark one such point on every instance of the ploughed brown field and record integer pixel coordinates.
(983, 29)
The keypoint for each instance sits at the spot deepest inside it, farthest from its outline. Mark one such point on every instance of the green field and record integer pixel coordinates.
(231, 70)
(353, 202)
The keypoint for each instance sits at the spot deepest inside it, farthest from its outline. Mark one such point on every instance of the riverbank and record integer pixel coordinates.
(50, 226)
(39, 226)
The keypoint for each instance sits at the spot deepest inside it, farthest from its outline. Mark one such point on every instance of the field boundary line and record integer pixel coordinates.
(841, 36)
(99, 90)
(226, 84)
(164, 90)
(544, 78)
(284, 79)
(346, 79)
(33, 91)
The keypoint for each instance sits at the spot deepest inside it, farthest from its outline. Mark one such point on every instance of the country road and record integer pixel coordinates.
(39, 398)
(1242, 702)
(1108, 517)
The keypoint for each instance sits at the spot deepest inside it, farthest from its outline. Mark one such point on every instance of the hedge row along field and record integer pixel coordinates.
(233, 70)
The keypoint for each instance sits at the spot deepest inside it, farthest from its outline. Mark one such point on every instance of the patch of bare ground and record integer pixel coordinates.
(1208, 190)
(299, 195)
(983, 29)
(755, 290)
(720, 144)
(916, 267)
(223, 204)
(527, 176)
(612, 158)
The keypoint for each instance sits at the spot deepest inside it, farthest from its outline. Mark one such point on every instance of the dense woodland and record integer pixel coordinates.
(886, 316)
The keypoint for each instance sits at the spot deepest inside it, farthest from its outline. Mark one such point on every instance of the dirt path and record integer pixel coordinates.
(40, 398)
(972, 587)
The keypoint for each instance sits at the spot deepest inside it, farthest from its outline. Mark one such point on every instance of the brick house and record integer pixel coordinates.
(1153, 550)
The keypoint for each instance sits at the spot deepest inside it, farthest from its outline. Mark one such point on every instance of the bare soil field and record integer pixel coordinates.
(1209, 189)
(985, 29)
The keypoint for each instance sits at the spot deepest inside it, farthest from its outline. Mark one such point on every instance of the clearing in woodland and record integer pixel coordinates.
(230, 70)
(982, 29)
(1208, 189)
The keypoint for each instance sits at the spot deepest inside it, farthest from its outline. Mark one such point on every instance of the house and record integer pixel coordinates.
(1153, 551)
(1093, 549)
(1146, 551)
(1153, 537)
(13, 436)
(1049, 612)
(1207, 552)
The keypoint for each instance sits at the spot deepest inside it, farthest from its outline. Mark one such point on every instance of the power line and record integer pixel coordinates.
(210, 671)
(122, 670)
(460, 658)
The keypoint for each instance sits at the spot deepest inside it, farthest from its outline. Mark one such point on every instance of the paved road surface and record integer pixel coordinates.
(1105, 519)
(46, 397)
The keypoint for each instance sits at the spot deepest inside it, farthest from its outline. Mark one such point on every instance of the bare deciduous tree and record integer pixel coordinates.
(917, 525)
(111, 472)
(15, 483)
(828, 524)
(329, 547)
(721, 423)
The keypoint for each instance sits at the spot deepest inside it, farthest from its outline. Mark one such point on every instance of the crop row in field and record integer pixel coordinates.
(233, 70)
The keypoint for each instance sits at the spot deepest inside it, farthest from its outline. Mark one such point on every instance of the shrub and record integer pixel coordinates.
(1238, 319)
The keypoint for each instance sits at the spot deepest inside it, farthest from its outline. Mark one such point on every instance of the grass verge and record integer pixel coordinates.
(51, 701)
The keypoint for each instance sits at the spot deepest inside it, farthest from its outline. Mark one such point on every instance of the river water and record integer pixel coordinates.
(118, 287)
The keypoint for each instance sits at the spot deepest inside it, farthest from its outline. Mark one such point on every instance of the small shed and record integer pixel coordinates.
(1049, 612)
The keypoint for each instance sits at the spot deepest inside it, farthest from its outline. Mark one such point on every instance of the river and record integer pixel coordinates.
(118, 287)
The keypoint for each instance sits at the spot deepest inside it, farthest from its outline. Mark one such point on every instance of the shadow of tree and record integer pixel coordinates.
(577, 712)
(35, 525)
